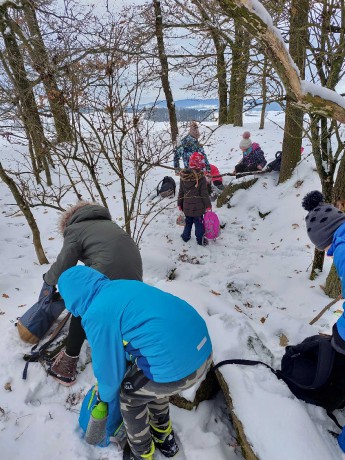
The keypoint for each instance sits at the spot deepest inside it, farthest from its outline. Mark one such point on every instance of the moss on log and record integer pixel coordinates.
(230, 189)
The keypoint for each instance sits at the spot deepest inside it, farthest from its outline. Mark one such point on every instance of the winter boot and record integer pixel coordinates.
(64, 369)
(129, 455)
(165, 440)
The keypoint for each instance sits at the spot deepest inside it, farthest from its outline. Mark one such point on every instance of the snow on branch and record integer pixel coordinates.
(308, 96)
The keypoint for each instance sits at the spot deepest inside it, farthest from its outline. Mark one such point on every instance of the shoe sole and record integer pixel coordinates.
(65, 384)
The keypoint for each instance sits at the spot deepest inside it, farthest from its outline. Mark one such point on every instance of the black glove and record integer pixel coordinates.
(337, 342)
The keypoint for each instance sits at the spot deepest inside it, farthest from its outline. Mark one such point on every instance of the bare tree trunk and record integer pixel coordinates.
(333, 283)
(165, 71)
(221, 71)
(46, 71)
(264, 93)
(239, 68)
(222, 80)
(293, 132)
(26, 99)
(319, 257)
(27, 214)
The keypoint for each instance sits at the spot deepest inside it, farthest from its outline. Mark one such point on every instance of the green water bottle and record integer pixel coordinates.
(96, 428)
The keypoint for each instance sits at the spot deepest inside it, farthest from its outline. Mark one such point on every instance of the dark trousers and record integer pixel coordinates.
(199, 228)
(242, 168)
(219, 184)
(76, 337)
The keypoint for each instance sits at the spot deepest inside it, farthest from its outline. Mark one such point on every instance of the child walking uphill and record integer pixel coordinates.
(193, 198)
(167, 342)
(326, 230)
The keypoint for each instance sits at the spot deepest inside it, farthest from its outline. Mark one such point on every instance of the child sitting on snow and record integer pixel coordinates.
(193, 198)
(253, 157)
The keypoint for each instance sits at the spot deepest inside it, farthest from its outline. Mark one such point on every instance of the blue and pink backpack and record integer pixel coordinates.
(211, 225)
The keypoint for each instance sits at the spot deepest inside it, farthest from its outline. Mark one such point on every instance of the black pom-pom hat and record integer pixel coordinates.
(323, 219)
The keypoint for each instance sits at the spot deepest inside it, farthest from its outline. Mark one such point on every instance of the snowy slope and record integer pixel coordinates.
(251, 286)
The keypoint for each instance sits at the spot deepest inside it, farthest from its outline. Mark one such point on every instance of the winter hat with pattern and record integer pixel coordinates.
(194, 130)
(197, 161)
(323, 219)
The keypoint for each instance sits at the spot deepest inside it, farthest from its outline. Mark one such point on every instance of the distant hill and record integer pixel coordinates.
(204, 104)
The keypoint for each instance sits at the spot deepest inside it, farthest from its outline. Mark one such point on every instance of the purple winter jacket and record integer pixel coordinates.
(255, 157)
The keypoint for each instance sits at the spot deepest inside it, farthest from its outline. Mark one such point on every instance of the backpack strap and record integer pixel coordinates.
(36, 354)
(246, 362)
(334, 418)
(159, 183)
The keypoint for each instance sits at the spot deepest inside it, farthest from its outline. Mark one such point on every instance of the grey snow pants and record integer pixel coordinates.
(144, 402)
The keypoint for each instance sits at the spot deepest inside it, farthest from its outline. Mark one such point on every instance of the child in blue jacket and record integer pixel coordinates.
(326, 230)
(165, 338)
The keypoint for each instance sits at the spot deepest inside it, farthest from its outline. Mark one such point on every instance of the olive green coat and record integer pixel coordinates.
(91, 237)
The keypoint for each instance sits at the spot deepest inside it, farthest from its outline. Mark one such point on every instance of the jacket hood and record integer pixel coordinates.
(83, 211)
(78, 286)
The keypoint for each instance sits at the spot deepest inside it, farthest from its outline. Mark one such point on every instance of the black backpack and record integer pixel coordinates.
(166, 187)
(275, 164)
(313, 371)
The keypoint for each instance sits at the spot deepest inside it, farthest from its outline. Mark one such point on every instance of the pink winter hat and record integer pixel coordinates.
(197, 161)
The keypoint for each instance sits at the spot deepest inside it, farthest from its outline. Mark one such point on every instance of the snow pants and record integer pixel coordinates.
(144, 402)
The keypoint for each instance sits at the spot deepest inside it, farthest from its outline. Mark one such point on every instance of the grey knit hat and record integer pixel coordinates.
(322, 221)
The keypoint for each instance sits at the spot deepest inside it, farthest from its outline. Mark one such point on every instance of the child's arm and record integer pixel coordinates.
(338, 339)
(177, 155)
(204, 194)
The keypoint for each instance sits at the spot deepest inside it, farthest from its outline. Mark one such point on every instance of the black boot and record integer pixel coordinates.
(128, 454)
(165, 441)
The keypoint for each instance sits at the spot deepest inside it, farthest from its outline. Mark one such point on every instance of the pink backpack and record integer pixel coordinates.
(212, 225)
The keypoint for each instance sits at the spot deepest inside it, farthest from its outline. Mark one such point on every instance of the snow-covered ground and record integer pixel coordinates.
(252, 286)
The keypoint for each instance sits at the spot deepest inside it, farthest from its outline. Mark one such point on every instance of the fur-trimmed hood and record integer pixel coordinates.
(81, 211)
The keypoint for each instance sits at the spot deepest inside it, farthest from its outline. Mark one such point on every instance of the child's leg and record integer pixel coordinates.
(199, 229)
(159, 413)
(141, 397)
(187, 229)
(218, 184)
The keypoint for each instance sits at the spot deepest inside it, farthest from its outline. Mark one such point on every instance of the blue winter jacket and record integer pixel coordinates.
(188, 146)
(337, 250)
(163, 333)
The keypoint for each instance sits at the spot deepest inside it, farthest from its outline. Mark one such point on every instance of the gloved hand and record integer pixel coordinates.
(337, 342)
(47, 291)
